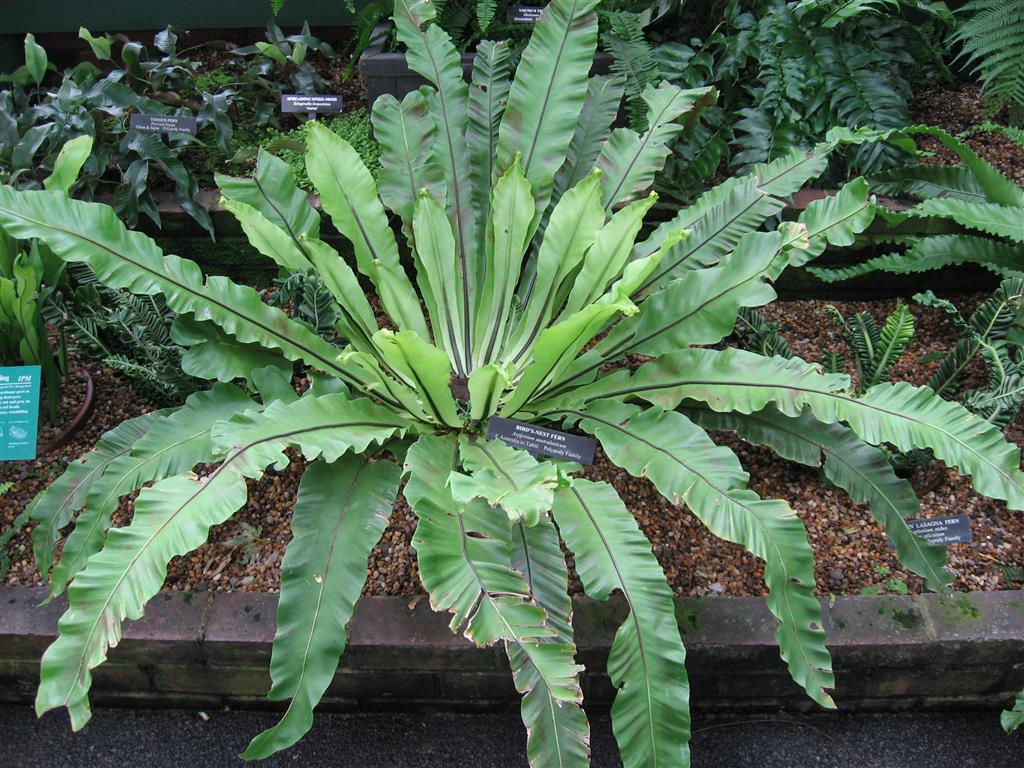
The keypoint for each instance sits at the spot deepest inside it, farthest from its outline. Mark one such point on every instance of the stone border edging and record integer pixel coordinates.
(207, 650)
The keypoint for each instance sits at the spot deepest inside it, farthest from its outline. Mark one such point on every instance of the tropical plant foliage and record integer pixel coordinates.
(788, 73)
(991, 39)
(29, 272)
(970, 213)
(527, 286)
(97, 99)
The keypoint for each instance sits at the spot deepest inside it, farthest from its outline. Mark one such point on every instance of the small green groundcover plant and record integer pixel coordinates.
(521, 209)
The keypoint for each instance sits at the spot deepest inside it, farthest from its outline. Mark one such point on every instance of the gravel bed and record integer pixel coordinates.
(851, 551)
(958, 111)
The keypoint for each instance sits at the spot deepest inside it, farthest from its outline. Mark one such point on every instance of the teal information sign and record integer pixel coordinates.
(19, 412)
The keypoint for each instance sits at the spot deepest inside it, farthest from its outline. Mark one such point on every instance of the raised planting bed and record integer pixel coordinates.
(206, 650)
(387, 71)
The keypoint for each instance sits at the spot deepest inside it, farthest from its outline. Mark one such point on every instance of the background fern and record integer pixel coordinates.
(992, 43)
(128, 333)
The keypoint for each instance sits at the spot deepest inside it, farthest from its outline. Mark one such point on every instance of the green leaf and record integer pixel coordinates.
(340, 514)
(52, 509)
(172, 445)
(650, 715)
(328, 426)
(464, 555)
(1012, 719)
(832, 221)
(171, 519)
(69, 164)
(174, 516)
(506, 477)
(357, 322)
(510, 229)
(572, 228)
(92, 233)
(901, 414)
(410, 164)
(213, 354)
(486, 385)
(936, 252)
(488, 93)
(267, 238)
(688, 468)
(440, 279)
(271, 51)
(600, 107)
(100, 45)
(36, 61)
(630, 161)
(991, 218)
(547, 94)
(893, 339)
(273, 192)
(699, 308)
(427, 370)
(557, 732)
(348, 194)
(431, 53)
(607, 257)
(861, 470)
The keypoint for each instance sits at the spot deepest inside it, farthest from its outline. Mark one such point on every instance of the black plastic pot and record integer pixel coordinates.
(388, 72)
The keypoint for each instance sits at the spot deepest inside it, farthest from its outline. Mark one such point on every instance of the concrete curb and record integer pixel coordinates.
(207, 650)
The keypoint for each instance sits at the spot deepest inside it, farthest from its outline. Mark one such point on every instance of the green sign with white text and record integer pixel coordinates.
(19, 412)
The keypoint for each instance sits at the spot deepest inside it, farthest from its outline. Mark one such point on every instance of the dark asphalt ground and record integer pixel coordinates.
(126, 738)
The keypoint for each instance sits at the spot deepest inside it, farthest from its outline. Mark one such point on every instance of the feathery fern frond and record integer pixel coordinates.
(992, 40)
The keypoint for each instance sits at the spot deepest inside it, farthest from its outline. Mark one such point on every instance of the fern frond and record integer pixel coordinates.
(992, 41)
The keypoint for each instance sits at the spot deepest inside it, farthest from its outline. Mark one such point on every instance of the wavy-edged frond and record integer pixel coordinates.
(465, 557)
(506, 477)
(558, 734)
(902, 414)
(688, 468)
(630, 160)
(272, 191)
(53, 509)
(488, 94)
(92, 233)
(411, 164)
(174, 516)
(547, 94)
(340, 513)
(991, 218)
(601, 105)
(718, 219)
(861, 470)
(172, 445)
(430, 53)
(348, 194)
(935, 252)
(650, 715)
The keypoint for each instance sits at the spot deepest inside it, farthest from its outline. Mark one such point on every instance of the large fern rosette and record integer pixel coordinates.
(523, 278)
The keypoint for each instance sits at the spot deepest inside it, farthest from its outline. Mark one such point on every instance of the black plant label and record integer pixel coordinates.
(311, 104)
(523, 14)
(943, 530)
(164, 124)
(541, 441)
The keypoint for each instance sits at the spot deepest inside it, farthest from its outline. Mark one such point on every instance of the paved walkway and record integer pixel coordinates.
(124, 738)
